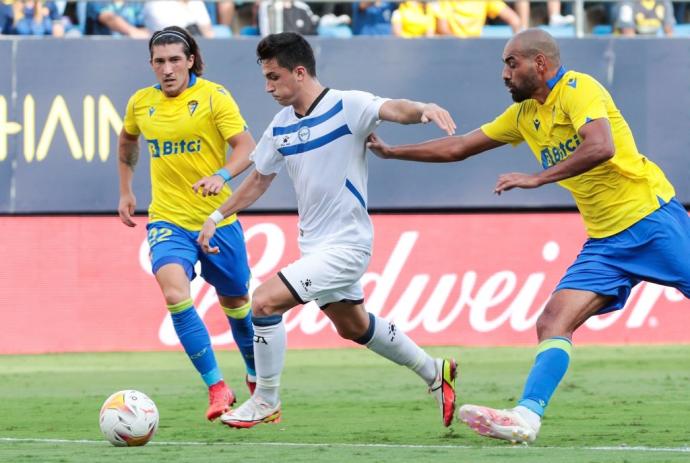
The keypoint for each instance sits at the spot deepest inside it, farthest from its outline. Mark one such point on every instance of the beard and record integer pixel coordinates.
(524, 91)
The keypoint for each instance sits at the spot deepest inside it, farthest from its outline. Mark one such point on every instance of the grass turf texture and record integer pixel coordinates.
(350, 405)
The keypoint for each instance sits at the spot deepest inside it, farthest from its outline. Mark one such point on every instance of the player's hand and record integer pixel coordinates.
(126, 208)
(205, 235)
(434, 113)
(516, 180)
(378, 146)
(209, 186)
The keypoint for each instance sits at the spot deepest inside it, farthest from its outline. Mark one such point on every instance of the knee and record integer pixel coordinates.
(233, 302)
(351, 329)
(174, 295)
(550, 324)
(261, 304)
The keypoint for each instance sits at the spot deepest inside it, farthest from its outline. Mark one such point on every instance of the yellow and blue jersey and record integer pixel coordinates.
(186, 140)
(615, 194)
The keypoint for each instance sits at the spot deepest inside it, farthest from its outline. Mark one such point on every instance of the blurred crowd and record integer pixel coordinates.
(226, 18)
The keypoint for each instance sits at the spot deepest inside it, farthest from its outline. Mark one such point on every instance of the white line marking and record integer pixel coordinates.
(346, 445)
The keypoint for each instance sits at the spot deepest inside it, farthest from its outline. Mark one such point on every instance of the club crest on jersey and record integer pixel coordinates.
(151, 110)
(192, 106)
(303, 134)
(536, 124)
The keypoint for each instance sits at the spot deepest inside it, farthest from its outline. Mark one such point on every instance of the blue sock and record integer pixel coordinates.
(553, 357)
(194, 337)
(243, 333)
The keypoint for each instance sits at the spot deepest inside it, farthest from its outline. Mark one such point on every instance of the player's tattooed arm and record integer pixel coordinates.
(128, 149)
(128, 155)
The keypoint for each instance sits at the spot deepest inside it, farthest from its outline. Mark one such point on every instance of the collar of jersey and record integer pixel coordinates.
(192, 81)
(555, 79)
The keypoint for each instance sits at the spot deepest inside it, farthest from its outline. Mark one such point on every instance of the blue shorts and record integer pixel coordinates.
(227, 271)
(655, 249)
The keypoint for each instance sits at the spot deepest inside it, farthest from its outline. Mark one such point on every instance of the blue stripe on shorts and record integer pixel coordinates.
(655, 249)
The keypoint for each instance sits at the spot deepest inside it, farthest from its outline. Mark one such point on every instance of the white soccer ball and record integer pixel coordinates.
(128, 418)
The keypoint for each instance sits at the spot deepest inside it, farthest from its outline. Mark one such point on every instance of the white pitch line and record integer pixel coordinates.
(346, 445)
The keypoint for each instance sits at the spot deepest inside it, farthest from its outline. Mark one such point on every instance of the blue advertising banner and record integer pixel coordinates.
(62, 103)
(8, 128)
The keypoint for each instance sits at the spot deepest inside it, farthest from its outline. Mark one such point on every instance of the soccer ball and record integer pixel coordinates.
(128, 418)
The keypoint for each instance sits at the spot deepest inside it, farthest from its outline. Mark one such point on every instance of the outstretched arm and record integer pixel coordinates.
(446, 149)
(249, 191)
(596, 147)
(414, 112)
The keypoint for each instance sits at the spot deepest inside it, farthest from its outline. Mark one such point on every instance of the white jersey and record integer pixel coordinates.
(325, 155)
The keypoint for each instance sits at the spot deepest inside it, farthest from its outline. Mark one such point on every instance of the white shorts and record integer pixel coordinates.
(327, 275)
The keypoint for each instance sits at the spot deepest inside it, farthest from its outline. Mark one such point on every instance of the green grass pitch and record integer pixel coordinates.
(616, 404)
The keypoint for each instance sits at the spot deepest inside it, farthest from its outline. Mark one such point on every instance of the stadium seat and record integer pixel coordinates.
(497, 31)
(221, 31)
(560, 31)
(249, 30)
(681, 30)
(602, 29)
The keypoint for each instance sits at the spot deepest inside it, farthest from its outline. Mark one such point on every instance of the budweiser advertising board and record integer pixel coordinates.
(72, 284)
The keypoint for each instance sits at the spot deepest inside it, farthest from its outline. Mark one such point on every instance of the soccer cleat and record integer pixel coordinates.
(443, 388)
(251, 385)
(254, 411)
(220, 399)
(500, 424)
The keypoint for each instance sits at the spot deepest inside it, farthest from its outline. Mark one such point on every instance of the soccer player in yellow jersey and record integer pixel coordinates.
(637, 229)
(187, 123)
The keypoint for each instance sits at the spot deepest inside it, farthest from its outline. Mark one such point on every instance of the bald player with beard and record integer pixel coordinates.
(637, 230)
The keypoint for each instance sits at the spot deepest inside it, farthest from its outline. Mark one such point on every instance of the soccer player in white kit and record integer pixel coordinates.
(320, 137)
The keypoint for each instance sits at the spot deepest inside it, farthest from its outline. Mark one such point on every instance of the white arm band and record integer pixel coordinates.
(216, 216)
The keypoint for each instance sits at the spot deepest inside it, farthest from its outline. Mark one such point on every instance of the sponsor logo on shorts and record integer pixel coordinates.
(305, 284)
(392, 330)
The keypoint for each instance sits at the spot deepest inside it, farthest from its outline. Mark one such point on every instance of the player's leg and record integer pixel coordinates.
(269, 302)
(172, 258)
(564, 313)
(229, 273)
(353, 322)
(599, 281)
(238, 311)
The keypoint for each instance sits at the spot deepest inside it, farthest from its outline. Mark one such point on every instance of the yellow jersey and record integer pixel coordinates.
(615, 194)
(414, 19)
(466, 18)
(186, 139)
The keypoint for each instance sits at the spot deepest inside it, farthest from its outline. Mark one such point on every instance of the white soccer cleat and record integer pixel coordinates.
(254, 411)
(443, 388)
(500, 424)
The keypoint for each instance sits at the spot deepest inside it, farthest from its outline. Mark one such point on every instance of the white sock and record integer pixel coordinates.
(528, 415)
(390, 342)
(269, 360)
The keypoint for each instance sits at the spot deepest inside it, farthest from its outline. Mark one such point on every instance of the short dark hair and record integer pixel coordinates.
(174, 34)
(289, 49)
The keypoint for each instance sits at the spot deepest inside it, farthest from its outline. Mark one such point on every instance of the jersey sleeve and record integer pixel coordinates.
(267, 160)
(130, 122)
(494, 8)
(362, 111)
(226, 113)
(584, 100)
(505, 127)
